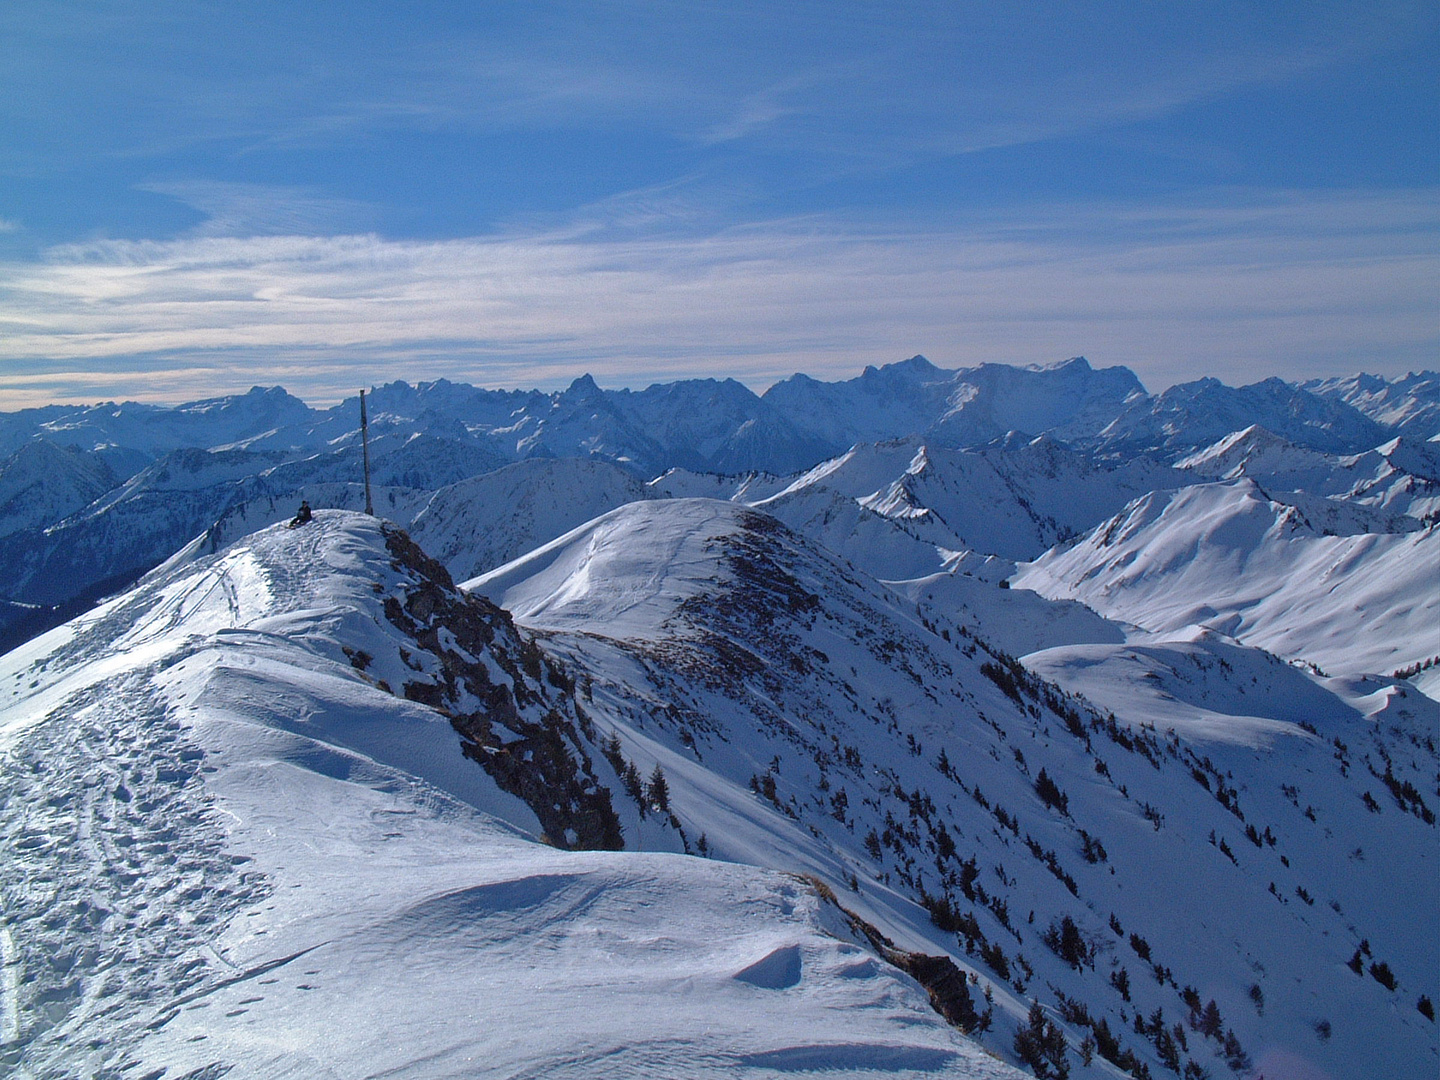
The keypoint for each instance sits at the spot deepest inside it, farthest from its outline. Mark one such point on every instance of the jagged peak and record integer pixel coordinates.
(1075, 363)
(1247, 440)
(915, 366)
(38, 449)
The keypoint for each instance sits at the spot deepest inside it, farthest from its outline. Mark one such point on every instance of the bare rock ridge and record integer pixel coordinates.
(541, 759)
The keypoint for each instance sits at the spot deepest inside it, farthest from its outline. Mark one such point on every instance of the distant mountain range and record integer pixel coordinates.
(722, 426)
(93, 496)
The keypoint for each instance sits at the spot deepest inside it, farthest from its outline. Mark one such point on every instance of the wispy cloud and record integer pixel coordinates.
(792, 96)
(1291, 286)
(816, 77)
(235, 209)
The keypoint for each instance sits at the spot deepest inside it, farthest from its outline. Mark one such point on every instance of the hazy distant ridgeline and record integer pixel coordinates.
(91, 497)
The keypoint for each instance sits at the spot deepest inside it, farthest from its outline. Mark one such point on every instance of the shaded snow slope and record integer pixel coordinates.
(960, 408)
(480, 523)
(156, 429)
(1226, 556)
(1017, 620)
(1203, 686)
(233, 850)
(806, 717)
(1188, 416)
(1069, 399)
(41, 483)
(881, 403)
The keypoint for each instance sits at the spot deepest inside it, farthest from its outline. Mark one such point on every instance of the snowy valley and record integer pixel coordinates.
(984, 723)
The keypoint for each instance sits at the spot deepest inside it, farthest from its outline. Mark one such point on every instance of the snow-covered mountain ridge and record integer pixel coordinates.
(298, 775)
(805, 719)
(247, 835)
(725, 427)
(1227, 556)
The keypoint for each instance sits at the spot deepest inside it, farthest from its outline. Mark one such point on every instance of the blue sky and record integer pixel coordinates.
(198, 197)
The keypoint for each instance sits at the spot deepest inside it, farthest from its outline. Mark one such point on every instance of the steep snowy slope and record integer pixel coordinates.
(41, 483)
(585, 420)
(1070, 400)
(272, 813)
(1179, 902)
(1071, 489)
(1410, 405)
(883, 545)
(480, 523)
(1224, 555)
(1400, 476)
(880, 403)
(1268, 460)
(720, 426)
(1398, 479)
(1014, 499)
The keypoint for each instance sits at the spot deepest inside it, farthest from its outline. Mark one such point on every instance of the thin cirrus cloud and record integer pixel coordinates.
(248, 209)
(1289, 287)
(844, 78)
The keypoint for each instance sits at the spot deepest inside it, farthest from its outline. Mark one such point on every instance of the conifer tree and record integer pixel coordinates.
(657, 791)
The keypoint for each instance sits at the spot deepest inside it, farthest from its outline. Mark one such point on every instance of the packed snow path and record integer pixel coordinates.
(117, 874)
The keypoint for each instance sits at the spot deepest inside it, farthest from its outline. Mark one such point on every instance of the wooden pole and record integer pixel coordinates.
(365, 450)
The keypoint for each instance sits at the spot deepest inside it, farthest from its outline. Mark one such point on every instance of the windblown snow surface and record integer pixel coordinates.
(1228, 557)
(1221, 827)
(232, 851)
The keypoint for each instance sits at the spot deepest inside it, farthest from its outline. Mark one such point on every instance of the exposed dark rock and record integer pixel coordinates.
(524, 735)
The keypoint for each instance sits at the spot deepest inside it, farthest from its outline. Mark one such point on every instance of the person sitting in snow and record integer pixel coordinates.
(303, 516)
